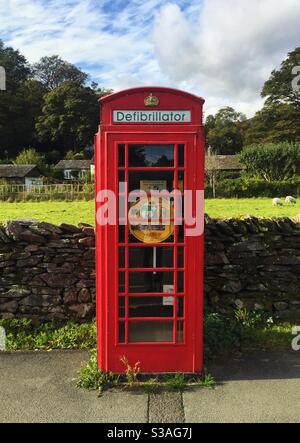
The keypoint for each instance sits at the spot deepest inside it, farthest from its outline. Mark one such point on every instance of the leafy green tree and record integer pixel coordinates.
(52, 72)
(225, 131)
(278, 120)
(100, 92)
(30, 157)
(70, 117)
(19, 104)
(279, 88)
(272, 162)
(71, 155)
(16, 66)
(274, 123)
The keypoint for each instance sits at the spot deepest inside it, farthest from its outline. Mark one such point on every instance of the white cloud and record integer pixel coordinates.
(229, 52)
(221, 49)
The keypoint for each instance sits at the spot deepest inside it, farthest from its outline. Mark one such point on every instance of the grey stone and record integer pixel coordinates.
(3, 237)
(87, 242)
(10, 307)
(55, 280)
(50, 227)
(16, 292)
(239, 303)
(30, 236)
(84, 295)
(233, 286)
(82, 310)
(70, 229)
(281, 306)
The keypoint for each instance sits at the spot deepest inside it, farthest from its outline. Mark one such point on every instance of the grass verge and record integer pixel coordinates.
(22, 334)
(224, 335)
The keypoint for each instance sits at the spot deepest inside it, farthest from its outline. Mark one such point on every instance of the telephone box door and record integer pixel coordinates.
(155, 305)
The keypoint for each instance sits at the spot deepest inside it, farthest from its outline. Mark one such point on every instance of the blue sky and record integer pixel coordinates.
(221, 49)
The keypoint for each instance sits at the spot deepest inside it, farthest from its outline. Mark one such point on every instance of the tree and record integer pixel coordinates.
(272, 162)
(71, 155)
(52, 72)
(30, 157)
(19, 104)
(100, 92)
(212, 170)
(70, 117)
(16, 66)
(225, 131)
(279, 88)
(276, 122)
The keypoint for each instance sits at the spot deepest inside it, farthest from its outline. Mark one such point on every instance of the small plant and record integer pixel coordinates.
(252, 319)
(90, 376)
(175, 382)
(207, 381)
(131, 372)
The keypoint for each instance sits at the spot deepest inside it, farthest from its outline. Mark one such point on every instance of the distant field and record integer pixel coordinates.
(83, 211)
(52, 211)
(259, 207)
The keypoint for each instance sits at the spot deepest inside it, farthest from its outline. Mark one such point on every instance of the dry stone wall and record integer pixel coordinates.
(48, 272)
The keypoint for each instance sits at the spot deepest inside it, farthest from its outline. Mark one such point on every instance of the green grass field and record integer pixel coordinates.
(51, 211)
(83, 211)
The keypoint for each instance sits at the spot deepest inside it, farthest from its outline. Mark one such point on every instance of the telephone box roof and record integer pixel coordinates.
(150, 89)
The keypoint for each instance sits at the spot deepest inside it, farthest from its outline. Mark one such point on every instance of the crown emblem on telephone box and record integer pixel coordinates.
(151, 100)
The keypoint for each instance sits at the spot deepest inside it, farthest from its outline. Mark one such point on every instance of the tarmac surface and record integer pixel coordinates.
(40, 387)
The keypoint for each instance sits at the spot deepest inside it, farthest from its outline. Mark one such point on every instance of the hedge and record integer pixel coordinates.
(248, 188)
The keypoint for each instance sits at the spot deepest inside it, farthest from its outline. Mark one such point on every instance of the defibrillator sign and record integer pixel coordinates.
(147, 116)
(151, 221)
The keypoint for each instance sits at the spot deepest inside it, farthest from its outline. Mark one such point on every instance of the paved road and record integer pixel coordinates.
(259, 387)
(40, 387)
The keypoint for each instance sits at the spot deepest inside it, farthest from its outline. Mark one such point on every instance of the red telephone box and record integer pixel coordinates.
(150, 276)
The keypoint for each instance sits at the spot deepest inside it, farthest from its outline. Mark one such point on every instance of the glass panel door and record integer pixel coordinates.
(151, 254)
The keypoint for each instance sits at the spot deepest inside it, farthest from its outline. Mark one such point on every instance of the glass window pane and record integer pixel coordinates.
(121, 234)
(144, 257)
(121, 307)
(180, 331)
(121, 281)
(180, 257)
(151, 180)
(180, 281)
(151, 306)
(180, 306)
(122, 176)
(181, 181)
(151, 155)
(121, 332)
(121, 155)
(121, 257)
(180, 155)
(151, 282)
(150, 331)
(181, 233)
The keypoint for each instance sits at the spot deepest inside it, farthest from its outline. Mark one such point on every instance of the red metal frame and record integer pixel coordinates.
(172, 356)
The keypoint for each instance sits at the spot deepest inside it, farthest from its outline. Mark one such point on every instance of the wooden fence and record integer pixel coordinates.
(47, 192)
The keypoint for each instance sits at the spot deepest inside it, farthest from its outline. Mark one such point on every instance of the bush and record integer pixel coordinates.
(246, 330)
(247, 187)
(271, 162)
(23, 334)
